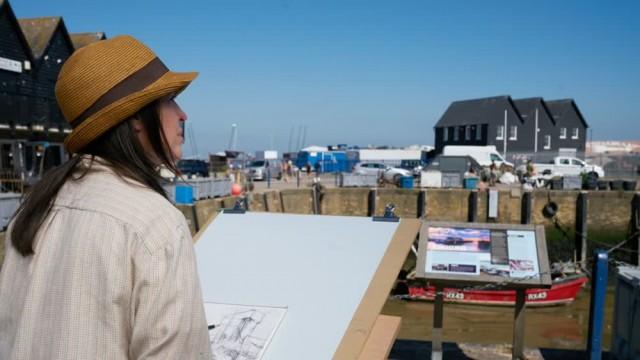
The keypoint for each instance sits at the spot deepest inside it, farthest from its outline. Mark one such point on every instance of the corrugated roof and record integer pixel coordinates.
(477, 111)
(83, 39)
(564, 107)
(38, 32)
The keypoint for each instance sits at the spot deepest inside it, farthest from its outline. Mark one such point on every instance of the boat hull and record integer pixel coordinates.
(561, 292)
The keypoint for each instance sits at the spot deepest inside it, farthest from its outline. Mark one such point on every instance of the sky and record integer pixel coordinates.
(373, 72)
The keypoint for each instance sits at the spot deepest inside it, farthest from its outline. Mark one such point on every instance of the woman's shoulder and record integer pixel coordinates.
(102, 190)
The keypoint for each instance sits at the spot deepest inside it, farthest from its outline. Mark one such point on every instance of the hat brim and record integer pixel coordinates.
(111, 115)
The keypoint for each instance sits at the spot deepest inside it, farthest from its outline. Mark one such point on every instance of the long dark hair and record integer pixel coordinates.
(122, 151)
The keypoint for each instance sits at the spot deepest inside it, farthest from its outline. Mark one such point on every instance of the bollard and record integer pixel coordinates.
(596, 309)
(581, 228)
(298, 178)
(472, 215)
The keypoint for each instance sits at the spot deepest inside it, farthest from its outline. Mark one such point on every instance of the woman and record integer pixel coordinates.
(99, 264)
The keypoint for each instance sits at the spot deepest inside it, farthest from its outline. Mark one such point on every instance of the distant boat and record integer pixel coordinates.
(563, 291)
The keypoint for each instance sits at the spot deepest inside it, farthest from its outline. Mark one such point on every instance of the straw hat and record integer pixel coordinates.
(108, 81)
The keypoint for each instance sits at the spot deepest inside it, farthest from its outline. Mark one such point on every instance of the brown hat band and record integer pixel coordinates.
(137, 81)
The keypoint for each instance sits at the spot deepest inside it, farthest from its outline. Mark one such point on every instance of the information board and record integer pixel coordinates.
(479, 253)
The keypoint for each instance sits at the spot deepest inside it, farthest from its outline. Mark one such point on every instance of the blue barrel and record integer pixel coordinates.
(184, 194)
(406, 182)
(471, 183)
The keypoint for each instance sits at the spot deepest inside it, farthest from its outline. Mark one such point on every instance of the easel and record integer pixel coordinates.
(367, 334)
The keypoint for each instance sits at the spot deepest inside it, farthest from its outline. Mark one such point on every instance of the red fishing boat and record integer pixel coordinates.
(563, 291)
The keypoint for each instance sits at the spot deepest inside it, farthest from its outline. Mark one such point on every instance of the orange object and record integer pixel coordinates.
(236, 189)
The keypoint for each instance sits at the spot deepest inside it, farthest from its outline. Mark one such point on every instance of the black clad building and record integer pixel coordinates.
(522, 129)
(32, 127)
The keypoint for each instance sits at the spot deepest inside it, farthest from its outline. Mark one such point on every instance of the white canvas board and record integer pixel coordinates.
(319, 267)
(241, 332)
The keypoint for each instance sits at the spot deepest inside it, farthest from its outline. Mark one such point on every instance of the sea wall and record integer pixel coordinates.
(608, 213)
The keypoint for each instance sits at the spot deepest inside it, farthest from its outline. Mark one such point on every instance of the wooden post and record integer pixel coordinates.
(581, 227)
(472, 215)
(525, 210)
(196, 224)
(421, 197)
(518, 325)
(436, 333)
(371, 211)
(635, 226)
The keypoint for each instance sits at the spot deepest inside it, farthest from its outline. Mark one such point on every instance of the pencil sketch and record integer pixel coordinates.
(241, 332)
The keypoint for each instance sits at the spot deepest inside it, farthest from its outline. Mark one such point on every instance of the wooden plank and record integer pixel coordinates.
(380, 341)
(518, 325)
(374, 298)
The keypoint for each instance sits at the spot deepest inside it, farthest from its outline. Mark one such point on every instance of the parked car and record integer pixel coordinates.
(191, 167)
(415, 166)
(260, 169)
(388, 173)
(563, 166)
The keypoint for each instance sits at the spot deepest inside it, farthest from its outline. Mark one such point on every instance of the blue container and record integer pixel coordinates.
(184, 195)
(406, 182)
(471, 183)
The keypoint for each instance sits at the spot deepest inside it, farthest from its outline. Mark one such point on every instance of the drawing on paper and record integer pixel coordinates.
(241, 332)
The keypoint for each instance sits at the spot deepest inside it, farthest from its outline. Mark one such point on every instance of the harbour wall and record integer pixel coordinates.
(609, 218)
(608, 214)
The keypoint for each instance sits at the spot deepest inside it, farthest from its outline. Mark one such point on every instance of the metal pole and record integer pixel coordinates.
(298, 178)
(596, 309)
(504, 135)
(436, 333)
(535, 139)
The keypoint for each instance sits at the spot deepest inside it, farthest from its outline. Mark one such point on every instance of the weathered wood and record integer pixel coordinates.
(518, 325)
(380, 341)
(581, 227)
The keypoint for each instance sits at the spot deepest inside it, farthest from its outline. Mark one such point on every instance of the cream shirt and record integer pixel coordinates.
(114, 276)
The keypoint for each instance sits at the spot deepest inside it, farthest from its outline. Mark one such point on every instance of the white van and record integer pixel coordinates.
(484, 155)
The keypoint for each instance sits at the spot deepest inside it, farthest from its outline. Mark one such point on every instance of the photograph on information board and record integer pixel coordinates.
(457, 250)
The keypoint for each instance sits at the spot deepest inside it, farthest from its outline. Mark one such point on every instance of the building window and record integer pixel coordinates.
(467, 132)
(456, 133)
(547, 142)
(513, 132)
(445, 134)
(479, 132)
(563, 133)
(574, 133)
(500, 134)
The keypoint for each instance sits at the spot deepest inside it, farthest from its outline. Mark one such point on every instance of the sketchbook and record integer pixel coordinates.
(241, 332)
